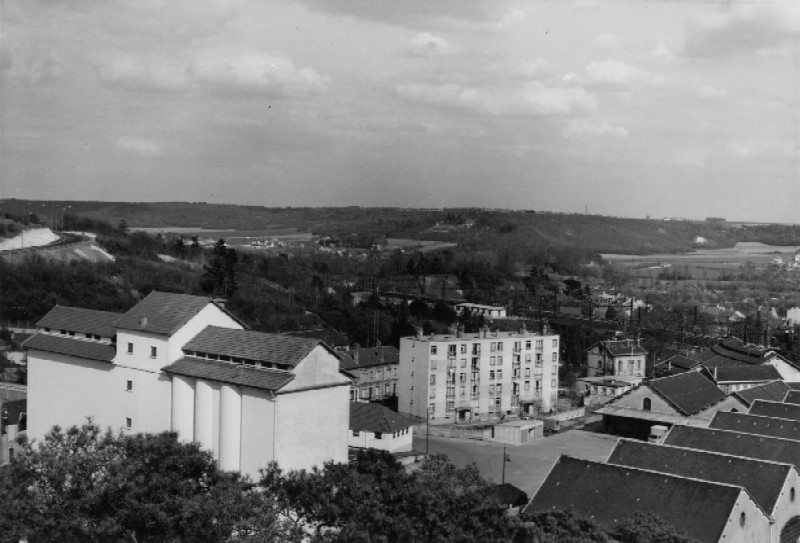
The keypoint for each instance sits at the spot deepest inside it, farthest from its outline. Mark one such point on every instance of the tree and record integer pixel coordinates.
(560, 527)
(220, 277)
(649, 528)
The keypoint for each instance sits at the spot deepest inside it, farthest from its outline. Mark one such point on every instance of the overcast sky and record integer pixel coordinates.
(630, 108)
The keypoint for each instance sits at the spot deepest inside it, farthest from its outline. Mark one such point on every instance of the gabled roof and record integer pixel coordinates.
(509, 495)
(756, 424)
(712, 359)
(774, 391)
(736, 443)
(683, 362)
(609, 494)
(164, 312)
(763, 480)
(688, 392)
(231, 373)
(793, 396)
(623, 347)
(778, 410)
(79, 348)
(745, 373)
(370, 357)
(83, 321)
(251, 345)
(375, 418)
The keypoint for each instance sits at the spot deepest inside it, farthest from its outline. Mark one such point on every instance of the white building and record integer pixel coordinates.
(484, 375)
(624, 359)
(373, 426)
(489, 311)
(183, 363)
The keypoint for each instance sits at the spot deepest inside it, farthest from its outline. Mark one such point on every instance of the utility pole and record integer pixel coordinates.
(427, 429)
(506, 458)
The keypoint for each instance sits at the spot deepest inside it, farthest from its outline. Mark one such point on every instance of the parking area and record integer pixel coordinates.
(529, 463)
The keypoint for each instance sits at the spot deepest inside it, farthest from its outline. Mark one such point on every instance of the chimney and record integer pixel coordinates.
(355, 355)
(459, 330)
(419, 332)
(484, 331)
(142, 322)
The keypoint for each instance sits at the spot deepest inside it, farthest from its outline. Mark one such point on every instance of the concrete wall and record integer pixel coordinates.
(635, 398)
(788, 504)
(319, 368)
(397, 442)
(756, 524)
(210, 315)
(258, 431)
(731, 403)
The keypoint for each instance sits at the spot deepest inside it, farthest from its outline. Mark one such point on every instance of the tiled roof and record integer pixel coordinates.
(763, 480)
(688, 392)
(774, 391)
(162, 312)
(609, 494)
(80, 348)
(370, 357)
(681, 361)
(231, 373)
(735, 350)
(626, 347)
(756, 424)
(710, 358)
(745, 373)
(251, 345)
(326, 335)
(793, 396)
(736, 443)
(373, 417)
(778, 410)
(509, 495)
(84, 321)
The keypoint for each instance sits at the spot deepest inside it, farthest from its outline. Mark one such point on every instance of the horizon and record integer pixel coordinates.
(673, 109)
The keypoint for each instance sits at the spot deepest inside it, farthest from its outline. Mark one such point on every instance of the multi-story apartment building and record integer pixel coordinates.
(478, 376)
(374, 370)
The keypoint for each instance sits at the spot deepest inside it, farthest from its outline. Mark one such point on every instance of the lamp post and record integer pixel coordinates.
(506, 458)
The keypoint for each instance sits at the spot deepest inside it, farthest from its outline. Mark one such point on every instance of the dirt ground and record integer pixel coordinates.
(529, 463)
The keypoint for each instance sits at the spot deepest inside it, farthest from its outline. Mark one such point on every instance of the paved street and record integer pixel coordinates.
(529, 463)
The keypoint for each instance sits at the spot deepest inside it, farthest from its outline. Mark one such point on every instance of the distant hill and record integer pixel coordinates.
(473, 229)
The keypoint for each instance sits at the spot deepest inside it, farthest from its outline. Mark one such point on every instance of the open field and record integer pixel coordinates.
(530, 463)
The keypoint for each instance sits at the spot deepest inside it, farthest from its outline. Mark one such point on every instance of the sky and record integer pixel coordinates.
(681, 108)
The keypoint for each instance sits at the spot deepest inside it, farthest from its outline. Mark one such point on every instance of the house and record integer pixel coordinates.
(623, 359)
(478, 376)
(686, 398)
(374, 371)
(601, 390)
(773, 486)
(486, 311)
(373, 426)
(707, 511)
(756, 424)
(778, 410)
(184, 363)
(13, 422)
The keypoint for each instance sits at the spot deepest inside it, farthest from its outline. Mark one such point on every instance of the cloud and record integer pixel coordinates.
(751, 149)
(607, 41)
(536, 68)
(579, 129)
(742, 29)
(662, 52)
(707, 91)
(534, 99)
(250, 73)
(139, 147)
(29, 66)
(611, 73)
(426, 44)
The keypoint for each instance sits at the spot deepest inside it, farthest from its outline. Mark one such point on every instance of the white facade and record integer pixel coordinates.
(478, 376)
(491, 311)
(399, 441)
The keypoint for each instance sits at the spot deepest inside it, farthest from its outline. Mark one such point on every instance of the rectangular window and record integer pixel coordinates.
(528, 358)
(476, 348)
(491, 375)
(638, 364)
(555, 357)
(527, 385)
(451, 350)
(527, 345)
(378, 435)
(492, 347)
(491, 389)
(463, 348)
(130, 348)
(474, 375)
(538, 385)
(499, 389)
(128, 423)
(499, 374)
(451, 406)
(499, 345)
(463, 378)
(129, 386)
(463, 362)
(527, 372)
(462, 391)
(433, 349)
(355, 433)
(555, 344)
(153, 352)
(553, 383)
(433, 379)
(433, 364)
(538, 359)
(431, 409)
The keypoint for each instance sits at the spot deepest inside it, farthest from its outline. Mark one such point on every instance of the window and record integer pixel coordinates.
(433, 379)
(451, 406)
(492, 347)
(463, 362)
(647, 404)
(476, 348)
(433, 364)
(451, 350)
(128, 423)
(553, 383)
(517, 345)
(153, 352)
(378, 435)
(433, 349)
(538, 385)
(462, 391)
(528, 358)
(491, 389)
(474, 375)
(555, 357)
(463, 348)
(638, 364)
(499, 389)
(355, 433)
(130, 348)
(527, 345)
(742, 519)
(527, 372)
(431, 409)
(527, 385)
(491, 375)
(499, 345)
(499, 374)
(538, 359)
(555, 344)
(539, 344)
(791, 494)
(129, 386)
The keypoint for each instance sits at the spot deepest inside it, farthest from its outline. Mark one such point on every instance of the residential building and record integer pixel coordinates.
(486, 311)
(709, 512)
(686, 398)
(601, 390)
(478, 376)
(622, 358)
(12, 426)
(374, 371)
(184, 363)
(373, 426)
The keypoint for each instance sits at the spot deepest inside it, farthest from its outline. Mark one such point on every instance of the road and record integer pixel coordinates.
(529, 463)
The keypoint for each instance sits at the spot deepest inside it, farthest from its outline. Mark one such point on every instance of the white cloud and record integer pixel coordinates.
(707, 91)
(752, 149)
(426, 44)
(31, 66)
(138, 146)
(662, 52)
(579, 129)
(535, 68)
(612, 73)
(607, 41)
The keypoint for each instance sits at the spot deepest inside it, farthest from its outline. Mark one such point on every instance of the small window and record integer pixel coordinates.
(647, 404)
(355, 433)
(791, 494)
(128, 423)
(129, 386)
(742, 519)
(153, 352)
(433, 349)
(130, 348)
(378, 435)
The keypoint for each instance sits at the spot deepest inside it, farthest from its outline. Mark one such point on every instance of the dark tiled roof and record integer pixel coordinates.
(609, 494)
(370, 357)
(756, 424)
(735, 350)
(326, 335)
(793, 396)
(745, 373)
(84, 321)
(763, 480)
(229, 372)
(626, 347)
(793, 386)
(681, 361)
(778, 410)
(688, 392)
(736, 443)
(510, 496)
(373, 417)
(72, 347)
(710, 358)
(774, 391)
(251, 345)
(162, 312)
